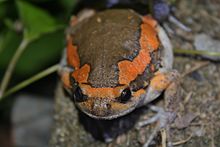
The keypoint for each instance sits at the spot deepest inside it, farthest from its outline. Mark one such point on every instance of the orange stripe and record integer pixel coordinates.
(160, 78)
(149, 20)
(72, 55)
(81, 75)
(139, 93)
(128, 71)
(149, 40)
(102, 92)
(66, 79)
(107, 92)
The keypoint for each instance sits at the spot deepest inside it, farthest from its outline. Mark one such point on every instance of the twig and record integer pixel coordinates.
(215, 19)
(27, 82)
(189, 95)
(196, 67)
(182, 141)
(8, 73)
(212, 135)
(196, 52)
(164, 137)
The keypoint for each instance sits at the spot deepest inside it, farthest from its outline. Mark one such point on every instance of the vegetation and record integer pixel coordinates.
(31, 37)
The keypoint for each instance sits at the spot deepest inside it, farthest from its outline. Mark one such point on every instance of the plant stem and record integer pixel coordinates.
(10, 69)
(195, 52)
(29, 81)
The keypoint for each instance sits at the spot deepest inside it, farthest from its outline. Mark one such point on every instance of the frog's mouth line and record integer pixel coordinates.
(108, 117)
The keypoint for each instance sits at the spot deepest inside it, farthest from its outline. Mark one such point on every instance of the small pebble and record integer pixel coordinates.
(184, 121)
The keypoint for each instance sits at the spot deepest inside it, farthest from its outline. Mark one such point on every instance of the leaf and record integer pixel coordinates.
(68, 5)
(9, 24)
(9, 43)
(41, 53)
(36, 21)
(3, 10)
(1, 1)
(38, 55)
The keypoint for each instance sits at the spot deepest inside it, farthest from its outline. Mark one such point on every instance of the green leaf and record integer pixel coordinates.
(9, 23)
(38, 55)
(68, 5)
(9, 43)
(1, 1)
(36, 21)
(3, 10)
(41, 53)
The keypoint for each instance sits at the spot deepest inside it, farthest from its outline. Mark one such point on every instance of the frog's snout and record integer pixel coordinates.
(105, 108)
(100, 107)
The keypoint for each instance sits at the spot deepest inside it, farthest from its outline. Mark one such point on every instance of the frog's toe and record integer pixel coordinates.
(178, 23)
(164, 119)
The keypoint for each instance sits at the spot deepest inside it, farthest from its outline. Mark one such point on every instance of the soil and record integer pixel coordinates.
(200, 86)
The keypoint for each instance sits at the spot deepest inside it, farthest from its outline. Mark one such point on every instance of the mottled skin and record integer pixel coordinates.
(106, 43)
(112, 51)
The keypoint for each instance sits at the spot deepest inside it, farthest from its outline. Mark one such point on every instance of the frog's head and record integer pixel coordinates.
(104, 102)
(102, 89)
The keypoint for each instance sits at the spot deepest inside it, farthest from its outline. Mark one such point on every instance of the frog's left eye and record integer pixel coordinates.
(78, 95)
(125, 95)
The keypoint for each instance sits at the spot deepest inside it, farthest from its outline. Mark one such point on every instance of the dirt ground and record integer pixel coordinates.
(203, 85)
(200, 87)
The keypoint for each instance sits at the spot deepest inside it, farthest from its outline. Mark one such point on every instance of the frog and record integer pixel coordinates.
(116, 61)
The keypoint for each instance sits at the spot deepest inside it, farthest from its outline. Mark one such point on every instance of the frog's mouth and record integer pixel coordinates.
(108, 116)
(104, 108)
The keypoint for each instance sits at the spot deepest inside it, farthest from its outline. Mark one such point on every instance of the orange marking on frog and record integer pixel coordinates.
(149, 40)
(72, 54)
(160, 82)
(129, 70)
(119, 106)
(139, 93)
(101, 92)
(65, 79)
(149, 20)
(81, 75)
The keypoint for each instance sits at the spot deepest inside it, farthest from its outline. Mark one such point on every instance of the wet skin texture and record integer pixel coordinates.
(112, 57)
(106, 43)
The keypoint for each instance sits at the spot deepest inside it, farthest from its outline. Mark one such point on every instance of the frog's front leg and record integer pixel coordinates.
(167, 81)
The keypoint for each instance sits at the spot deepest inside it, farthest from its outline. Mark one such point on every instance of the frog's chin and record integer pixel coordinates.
(108, 116)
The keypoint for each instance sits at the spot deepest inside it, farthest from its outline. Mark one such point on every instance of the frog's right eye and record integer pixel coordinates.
(78, 95)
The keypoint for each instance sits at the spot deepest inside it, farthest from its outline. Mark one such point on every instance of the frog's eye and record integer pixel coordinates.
(78, 95)
(125, 95)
